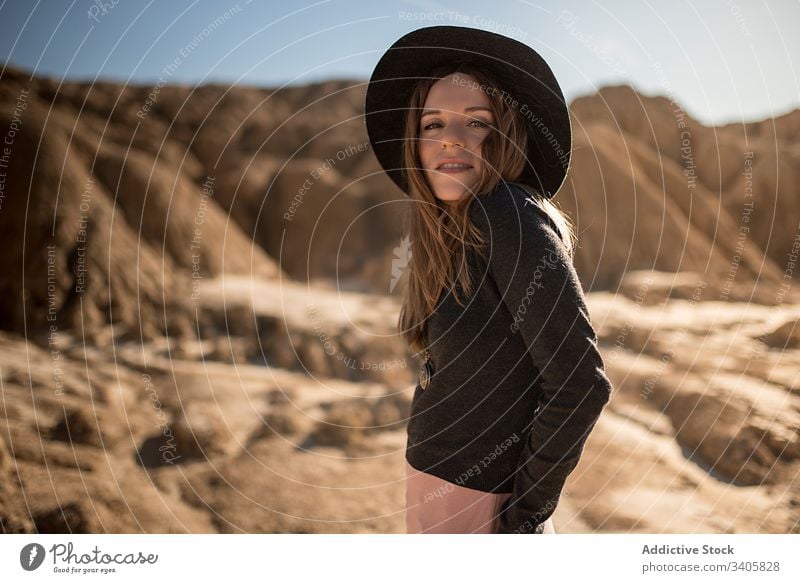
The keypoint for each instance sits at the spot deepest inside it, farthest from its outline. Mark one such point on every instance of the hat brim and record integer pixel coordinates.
(521, 73)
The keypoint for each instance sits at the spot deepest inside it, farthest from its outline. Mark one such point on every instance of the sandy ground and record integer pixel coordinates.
(243, 433)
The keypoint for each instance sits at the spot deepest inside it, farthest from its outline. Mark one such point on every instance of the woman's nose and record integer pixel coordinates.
(453, 136)
(452, 141)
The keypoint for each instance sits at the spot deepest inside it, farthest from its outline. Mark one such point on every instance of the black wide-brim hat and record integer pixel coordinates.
(520, 72)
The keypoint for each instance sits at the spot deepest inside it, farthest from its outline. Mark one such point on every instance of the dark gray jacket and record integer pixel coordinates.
(518, 382)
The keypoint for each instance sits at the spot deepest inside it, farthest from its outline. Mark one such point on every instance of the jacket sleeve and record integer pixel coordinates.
(535, 275)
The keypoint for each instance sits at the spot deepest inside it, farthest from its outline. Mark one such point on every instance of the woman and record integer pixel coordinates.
(473, 127)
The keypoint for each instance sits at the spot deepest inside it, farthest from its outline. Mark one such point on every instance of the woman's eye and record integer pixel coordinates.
(481, 124)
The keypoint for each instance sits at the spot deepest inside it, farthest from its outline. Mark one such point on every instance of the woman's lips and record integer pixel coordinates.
(453, 170)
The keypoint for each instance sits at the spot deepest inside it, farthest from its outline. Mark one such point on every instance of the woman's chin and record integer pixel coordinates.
(451, 194)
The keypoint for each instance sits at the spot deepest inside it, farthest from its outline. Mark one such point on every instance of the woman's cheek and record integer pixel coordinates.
(424, 156)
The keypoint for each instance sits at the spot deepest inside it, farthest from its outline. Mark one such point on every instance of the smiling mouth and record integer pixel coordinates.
(453, 167)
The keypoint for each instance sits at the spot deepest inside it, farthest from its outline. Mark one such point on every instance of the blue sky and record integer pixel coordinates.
(723, 61)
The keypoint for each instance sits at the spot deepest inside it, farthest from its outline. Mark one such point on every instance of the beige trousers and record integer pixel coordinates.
(436, 506)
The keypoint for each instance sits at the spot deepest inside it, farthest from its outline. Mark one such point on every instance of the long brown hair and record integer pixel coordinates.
(440, 233)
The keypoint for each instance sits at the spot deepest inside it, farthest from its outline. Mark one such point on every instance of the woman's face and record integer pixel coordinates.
(456, 118)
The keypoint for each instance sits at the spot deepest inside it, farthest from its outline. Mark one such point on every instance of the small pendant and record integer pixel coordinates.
(425, 372)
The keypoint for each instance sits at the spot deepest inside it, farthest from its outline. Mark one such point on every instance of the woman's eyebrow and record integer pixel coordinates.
(473, 108)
